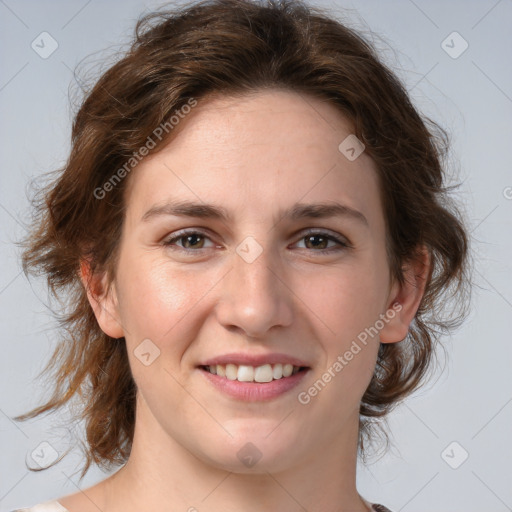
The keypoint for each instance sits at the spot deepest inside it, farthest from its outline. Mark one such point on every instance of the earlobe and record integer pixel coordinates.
(404, 299)
(103, 300)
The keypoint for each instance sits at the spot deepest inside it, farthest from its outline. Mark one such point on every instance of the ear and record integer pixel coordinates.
(404, 299)
(102, 299)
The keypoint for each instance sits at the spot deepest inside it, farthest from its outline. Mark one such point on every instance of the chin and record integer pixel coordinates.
(253, 454)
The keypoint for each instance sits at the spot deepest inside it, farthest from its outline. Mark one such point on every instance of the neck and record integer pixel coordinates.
(161, 474)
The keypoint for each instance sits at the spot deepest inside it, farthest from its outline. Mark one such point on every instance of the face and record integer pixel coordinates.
(260, 283)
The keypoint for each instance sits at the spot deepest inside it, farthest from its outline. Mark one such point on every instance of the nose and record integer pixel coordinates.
(255, 296)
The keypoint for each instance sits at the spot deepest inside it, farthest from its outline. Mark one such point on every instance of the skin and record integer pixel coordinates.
(255, 156)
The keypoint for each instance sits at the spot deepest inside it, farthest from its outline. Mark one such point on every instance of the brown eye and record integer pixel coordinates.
(189, 240)
(318, 242)
(192, 241)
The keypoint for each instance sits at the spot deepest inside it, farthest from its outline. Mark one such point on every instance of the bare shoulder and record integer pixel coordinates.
(88, 500)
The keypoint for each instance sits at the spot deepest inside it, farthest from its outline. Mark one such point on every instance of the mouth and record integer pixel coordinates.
(257, 374)
(246, 383)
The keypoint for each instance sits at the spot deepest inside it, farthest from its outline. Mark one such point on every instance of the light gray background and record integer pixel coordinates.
(470, 403)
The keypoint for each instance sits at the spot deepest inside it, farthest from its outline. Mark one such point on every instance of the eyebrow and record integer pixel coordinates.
(298, 211)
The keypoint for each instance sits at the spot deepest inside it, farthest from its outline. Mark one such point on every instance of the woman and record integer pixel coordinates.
(254, 235)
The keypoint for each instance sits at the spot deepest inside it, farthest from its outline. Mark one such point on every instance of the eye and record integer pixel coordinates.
(191, 240)
(194, 241)
(318, 240)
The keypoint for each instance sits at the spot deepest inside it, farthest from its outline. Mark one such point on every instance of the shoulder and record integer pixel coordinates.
(47, 506)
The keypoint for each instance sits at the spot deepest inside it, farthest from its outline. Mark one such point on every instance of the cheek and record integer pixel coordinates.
(346, 300)
(349, 309)
(155, 297)
(348, 304)
(158, 303)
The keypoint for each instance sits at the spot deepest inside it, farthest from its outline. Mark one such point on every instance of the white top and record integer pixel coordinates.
(47, 506)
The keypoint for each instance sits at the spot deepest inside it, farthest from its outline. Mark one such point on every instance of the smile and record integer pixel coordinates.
(246, 373)
(254, 383)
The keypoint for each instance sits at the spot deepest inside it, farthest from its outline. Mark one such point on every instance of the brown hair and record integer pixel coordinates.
(237, 47)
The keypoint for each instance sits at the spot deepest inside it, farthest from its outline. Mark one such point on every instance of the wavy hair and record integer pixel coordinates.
(236, 47)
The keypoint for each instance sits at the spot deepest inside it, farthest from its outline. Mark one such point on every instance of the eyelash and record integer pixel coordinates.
(182, 234)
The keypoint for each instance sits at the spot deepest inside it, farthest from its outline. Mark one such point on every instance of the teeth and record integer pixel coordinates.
(278, 371)
(245, 373)
(231, 371)
(287, 370)
(263, 373)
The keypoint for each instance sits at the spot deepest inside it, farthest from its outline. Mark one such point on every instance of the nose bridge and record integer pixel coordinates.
(254, 297)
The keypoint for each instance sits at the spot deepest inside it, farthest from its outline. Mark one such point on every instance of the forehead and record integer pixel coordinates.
(267, 149)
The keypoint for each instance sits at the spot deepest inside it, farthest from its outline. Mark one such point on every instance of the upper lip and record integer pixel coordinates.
(254, 360)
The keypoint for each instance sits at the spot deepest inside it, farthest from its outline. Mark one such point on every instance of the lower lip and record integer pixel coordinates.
(254, 391)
